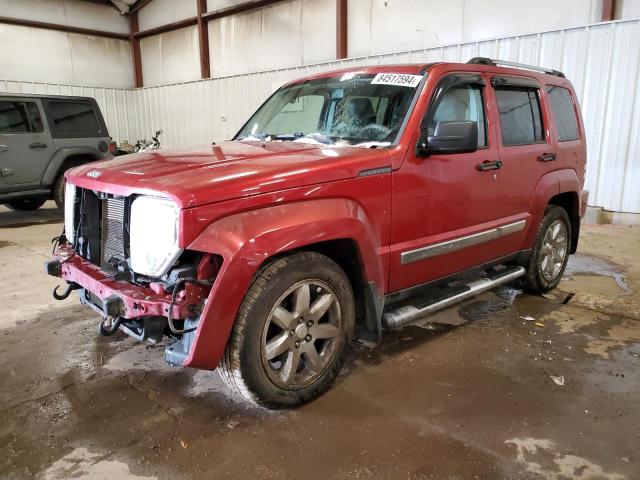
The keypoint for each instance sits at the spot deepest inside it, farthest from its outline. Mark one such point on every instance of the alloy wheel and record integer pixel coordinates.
(302, 334)
(555, 246)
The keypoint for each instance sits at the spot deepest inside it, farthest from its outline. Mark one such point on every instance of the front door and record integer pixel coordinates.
(25, 144)
(444, 211)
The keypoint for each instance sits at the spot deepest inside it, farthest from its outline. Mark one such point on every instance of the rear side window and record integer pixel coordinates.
(563, 113)
(20, 117)
(520, 119)
(73, 118)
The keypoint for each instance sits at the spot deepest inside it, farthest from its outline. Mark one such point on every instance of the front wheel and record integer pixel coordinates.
(26, 204)
(550, 252)
(292, 331)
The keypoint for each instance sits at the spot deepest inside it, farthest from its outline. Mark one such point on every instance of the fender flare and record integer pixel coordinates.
(568, 182)
(548, 186)
(59, 157)
(246, 240)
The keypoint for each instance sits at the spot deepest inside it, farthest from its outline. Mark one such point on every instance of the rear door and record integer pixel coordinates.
(526, 147)
(25, 142)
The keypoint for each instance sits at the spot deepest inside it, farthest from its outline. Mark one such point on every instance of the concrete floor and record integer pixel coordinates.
(473, 401)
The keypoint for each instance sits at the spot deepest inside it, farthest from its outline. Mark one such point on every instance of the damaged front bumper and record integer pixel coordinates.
(139, 311)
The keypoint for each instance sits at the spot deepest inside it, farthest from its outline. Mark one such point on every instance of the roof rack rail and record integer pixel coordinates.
(495, 63)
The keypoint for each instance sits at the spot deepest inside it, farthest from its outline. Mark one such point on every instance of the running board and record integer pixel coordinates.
(411, 313)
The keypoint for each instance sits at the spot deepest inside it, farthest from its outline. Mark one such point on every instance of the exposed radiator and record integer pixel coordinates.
(112, 231)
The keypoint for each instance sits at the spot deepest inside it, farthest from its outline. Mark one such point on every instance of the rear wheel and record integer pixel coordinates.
(58, 191)
(26, 204)
(550, 253)
(292, 331)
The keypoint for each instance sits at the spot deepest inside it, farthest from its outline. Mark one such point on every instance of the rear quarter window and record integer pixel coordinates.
(563, 113)
(73, 118)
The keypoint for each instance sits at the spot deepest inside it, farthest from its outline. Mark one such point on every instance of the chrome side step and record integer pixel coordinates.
(411, 313)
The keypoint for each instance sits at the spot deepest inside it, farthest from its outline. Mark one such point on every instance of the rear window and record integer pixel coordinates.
(74, 118)
(563, 113)
(520, 119)
(20, 117)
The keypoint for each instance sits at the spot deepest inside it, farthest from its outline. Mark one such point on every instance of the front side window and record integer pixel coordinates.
(520, 119)
(20, 117)
(352, 110)
(460, 103)
(74, 118)
(563, 113)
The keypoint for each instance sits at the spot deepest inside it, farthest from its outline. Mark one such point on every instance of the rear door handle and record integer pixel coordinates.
(488, 165)
(37, 145)
(547, 157)
(3, 148)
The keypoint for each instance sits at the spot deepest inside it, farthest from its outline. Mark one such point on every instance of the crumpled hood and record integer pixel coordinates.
(229, 170)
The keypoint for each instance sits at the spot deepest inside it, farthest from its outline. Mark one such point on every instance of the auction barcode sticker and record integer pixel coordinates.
(399, 79)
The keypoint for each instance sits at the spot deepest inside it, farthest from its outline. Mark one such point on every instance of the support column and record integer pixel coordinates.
(341, 29)
(608, 10)
(135, 49)
(203, 38)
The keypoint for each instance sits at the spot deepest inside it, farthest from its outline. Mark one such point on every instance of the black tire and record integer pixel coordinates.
(25, 204)
(58, 191)
(539, 277)
(245, 367)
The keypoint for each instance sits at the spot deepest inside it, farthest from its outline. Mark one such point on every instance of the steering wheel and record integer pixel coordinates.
(374, 131)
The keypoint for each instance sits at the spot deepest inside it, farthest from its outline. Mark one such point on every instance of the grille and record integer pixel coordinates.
(112, 231)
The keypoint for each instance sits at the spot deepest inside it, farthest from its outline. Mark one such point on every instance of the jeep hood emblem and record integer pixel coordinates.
(94, 174)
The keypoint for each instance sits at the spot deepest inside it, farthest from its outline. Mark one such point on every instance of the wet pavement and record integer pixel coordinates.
(474, 399)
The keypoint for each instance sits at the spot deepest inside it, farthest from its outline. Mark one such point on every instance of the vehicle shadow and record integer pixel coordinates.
(46, 214)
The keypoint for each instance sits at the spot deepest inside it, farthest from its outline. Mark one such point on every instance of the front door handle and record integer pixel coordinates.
(3, 148)
(37, 145)
(547, 157)
(489, 165)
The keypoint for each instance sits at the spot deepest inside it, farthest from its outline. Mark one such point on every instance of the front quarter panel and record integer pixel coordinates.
(245, 240)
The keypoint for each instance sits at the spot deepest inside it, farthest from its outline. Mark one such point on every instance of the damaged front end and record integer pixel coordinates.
(161, 292)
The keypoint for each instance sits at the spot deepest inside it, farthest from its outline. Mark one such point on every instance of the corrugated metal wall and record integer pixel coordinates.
(602, 61)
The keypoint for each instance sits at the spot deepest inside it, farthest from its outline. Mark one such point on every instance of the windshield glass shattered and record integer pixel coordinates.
(360, 110)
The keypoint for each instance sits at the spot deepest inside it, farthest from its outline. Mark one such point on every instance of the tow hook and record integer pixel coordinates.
(109, 325)
(63, 296)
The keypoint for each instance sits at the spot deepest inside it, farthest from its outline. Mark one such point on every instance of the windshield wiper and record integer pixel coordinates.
(372, 144)
(316, 137)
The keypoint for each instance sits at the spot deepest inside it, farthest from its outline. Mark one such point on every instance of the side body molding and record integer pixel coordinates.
(245, 240)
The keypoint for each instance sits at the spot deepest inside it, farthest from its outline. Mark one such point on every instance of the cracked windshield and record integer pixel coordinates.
(359, 110)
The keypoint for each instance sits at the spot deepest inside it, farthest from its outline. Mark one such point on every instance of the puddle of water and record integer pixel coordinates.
(617, 336)
(570, 320)
(581, 264)
(539, 457)
(85, 465)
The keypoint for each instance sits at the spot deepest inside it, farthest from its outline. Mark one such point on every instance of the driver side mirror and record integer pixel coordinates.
(449, 137)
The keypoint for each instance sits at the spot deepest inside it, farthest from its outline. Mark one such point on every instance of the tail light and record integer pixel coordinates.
(113, 148)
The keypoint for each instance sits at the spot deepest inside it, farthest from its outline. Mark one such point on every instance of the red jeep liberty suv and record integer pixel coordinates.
(351, 202)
